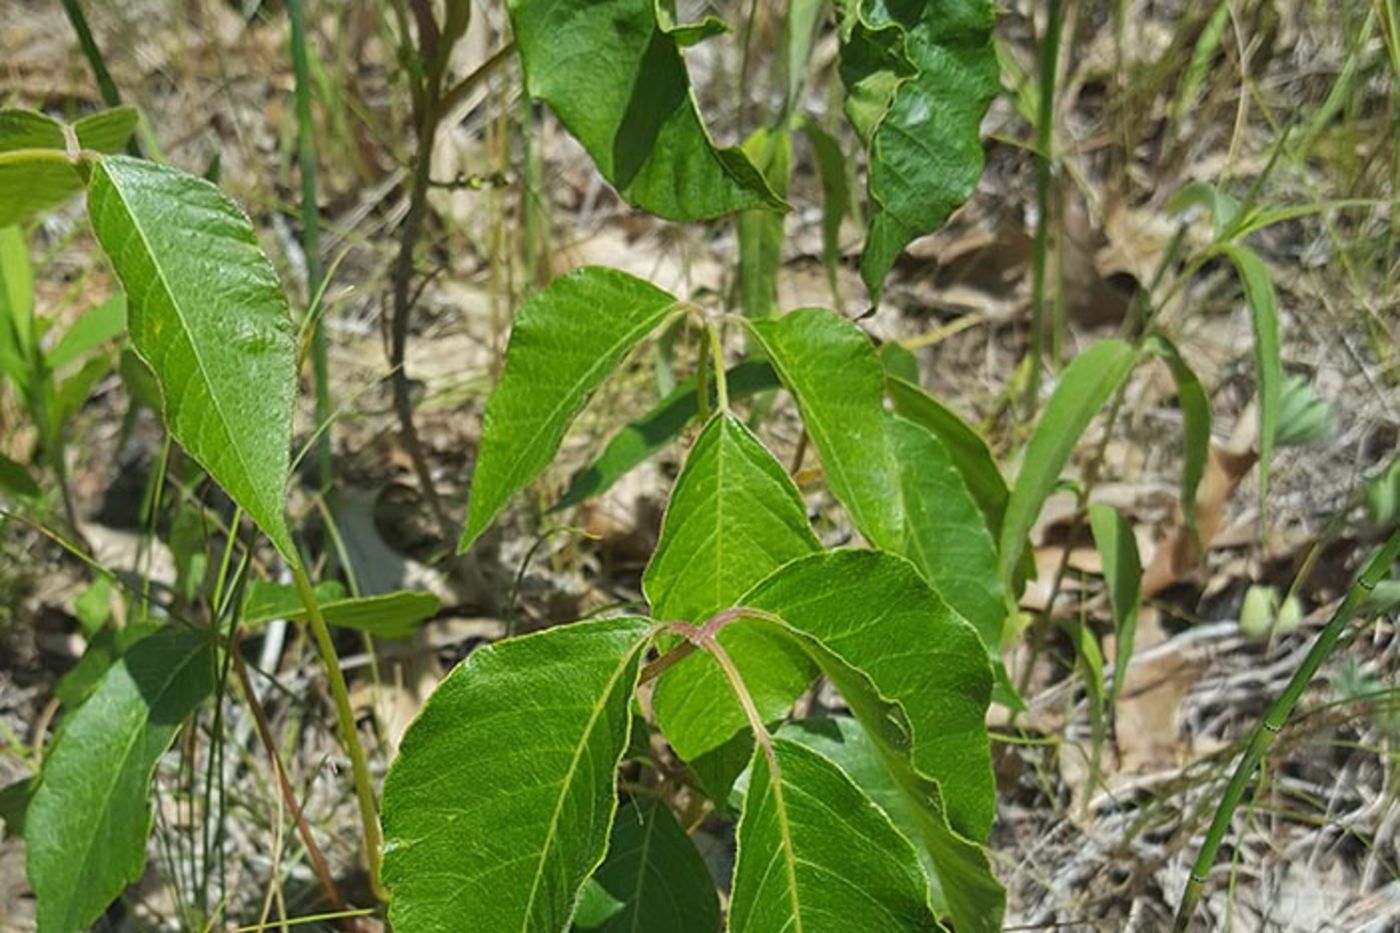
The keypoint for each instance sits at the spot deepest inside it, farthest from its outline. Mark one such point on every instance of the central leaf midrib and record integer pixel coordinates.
(564, 785)
(186, 330)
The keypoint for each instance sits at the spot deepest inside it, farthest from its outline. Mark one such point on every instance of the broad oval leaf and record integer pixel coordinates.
(614, 75)
(499, 805)
(565, 341)
(658, 427)
(207, 315)
(734, 517)
(920, 77)
(873, 612)
(945, 534)
(1087, 382)
(834, 373)
(87, 824)
(815, 853)
(657, 874)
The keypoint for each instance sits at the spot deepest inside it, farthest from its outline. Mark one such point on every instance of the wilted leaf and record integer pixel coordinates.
(615, 77)
(919, 78)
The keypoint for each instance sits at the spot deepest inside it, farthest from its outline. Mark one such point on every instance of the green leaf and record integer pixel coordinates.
(718, 770)
(1086, 383)
(761, 231)
(207, 315)
(614, 76)
(973, 896)
(595, 906)
(107, 132)
(99, 324)
(1122, 572)
(1195, 416)
(1268, 361)
(16, 304)
(734, 517)
(836, 194)
(657, 873)
(1303, 418)
(800, 29)
(34, 180)
(659, 427)
(965, 446)
(815, 853)
(29, 129)
(86, 827)
(14, 804)
(565, 341)
(946, 535)
(104, 648)
(16, 481)
(920, 77)
(1382, 495)
(37, 171)
(873, 612)
(834, 373)
(383, 615)
(499, 805)
(899, 363)
(1222, 209)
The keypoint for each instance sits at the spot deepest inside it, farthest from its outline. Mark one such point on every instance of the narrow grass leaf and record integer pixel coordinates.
(383, 615)
(834, 373)
(761, 231)
(223, 356)
(1122, 572)
(1268, 358)
(566, 340)
(816, 854)
(1195, 415)
(500, 803)
(614, 75)
(655, 871)
(734, 517)
(99, 324)
(1085, 385)
(88, 822)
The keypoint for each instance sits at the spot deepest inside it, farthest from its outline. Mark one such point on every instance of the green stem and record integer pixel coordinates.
(311, 236)
(717, 357)
(1273, 722)
(110, 95)
(345, 718)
